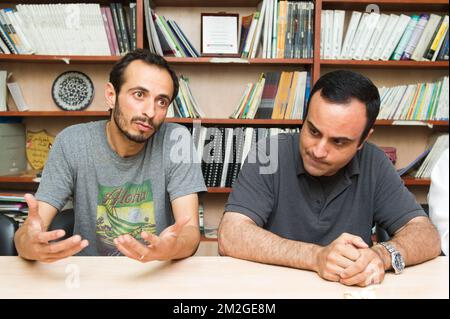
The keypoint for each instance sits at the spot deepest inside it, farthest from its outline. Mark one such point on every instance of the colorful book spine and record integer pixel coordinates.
(405, 38)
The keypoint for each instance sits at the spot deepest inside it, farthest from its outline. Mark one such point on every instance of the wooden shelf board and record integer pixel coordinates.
(411, 181)
(203, 238)
(66, 59)
(219, 190)
(54, 114)
(236, 122)
(221, 61)
(204, 121)
(27, 178)
(387, 64)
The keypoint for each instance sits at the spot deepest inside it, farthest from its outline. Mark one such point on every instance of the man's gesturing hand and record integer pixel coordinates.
(162, 247)
(40, 245)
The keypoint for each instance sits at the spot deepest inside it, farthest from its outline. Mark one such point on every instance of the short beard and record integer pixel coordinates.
(120, 123)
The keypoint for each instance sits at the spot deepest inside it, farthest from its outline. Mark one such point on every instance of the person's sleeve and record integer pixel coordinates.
(253, 191)
(185, 173)
(57, 181)
(395, 205)
(438, 199)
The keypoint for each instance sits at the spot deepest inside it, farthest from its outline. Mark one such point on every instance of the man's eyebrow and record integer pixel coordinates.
(141, 88)
(165, 96)
(343, 138)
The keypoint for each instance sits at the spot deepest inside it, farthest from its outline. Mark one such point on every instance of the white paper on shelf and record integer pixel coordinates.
(412, 123)
(229, 60)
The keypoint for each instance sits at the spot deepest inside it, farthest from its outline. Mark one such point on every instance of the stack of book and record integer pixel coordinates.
(277, 95)
(75, 29)
(165, 37)
(441, 144)
(185, 105)
(282, 30)
(375, 36)
(14, 206)
(422, 101)
(222, 151)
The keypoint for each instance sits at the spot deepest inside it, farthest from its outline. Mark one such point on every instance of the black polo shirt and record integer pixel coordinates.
(293, 204)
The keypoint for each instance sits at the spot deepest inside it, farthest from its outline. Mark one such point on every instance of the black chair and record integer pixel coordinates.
(8, 226)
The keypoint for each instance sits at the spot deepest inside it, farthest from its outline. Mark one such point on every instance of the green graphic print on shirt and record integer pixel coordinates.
(126, 209)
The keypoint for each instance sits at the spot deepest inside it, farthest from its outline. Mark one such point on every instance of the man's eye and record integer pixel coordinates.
(339, 143)
(313, 131)
(139, 94)
(163, 103)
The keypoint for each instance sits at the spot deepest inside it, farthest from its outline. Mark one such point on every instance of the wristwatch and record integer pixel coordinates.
(396, 258)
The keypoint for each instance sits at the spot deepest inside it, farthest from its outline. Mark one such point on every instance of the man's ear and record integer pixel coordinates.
(367, 138)
(110, 95)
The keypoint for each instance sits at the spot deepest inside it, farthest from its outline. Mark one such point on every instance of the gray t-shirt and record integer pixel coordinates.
(294, 205)
(114, 195)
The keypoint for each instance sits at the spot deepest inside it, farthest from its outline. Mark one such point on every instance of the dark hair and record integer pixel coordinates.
(341, 86)
(116, 74)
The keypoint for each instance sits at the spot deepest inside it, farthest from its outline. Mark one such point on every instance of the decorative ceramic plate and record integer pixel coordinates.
(73, 91)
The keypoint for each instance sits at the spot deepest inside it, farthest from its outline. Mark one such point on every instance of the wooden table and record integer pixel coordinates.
(200, 277)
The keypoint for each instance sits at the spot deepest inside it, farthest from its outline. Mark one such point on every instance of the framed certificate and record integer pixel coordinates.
(220, 34)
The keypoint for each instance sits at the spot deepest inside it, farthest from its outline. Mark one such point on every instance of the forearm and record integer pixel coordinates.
(250, 242)
(187, 242)
(417, 242)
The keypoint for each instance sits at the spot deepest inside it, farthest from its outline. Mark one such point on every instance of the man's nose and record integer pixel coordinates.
(320, 150)
(149, 109)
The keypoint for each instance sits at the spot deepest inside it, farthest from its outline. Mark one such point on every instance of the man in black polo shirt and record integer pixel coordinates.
(316, 210)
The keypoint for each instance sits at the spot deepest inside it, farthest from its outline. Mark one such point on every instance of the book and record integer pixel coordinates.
(439, 146)
(3, 91)
(415, 37)
(338, 33)
(395, 37)
(375, 38)
(117, 28)
(400, 49)
(268, 96)
(350, 34)
(432, 52)
(414, 164)
(426, 38)
(245, 28)
(17, 96)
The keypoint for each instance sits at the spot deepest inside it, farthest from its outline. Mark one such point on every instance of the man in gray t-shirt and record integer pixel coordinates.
(311, 201)
(133, 179)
